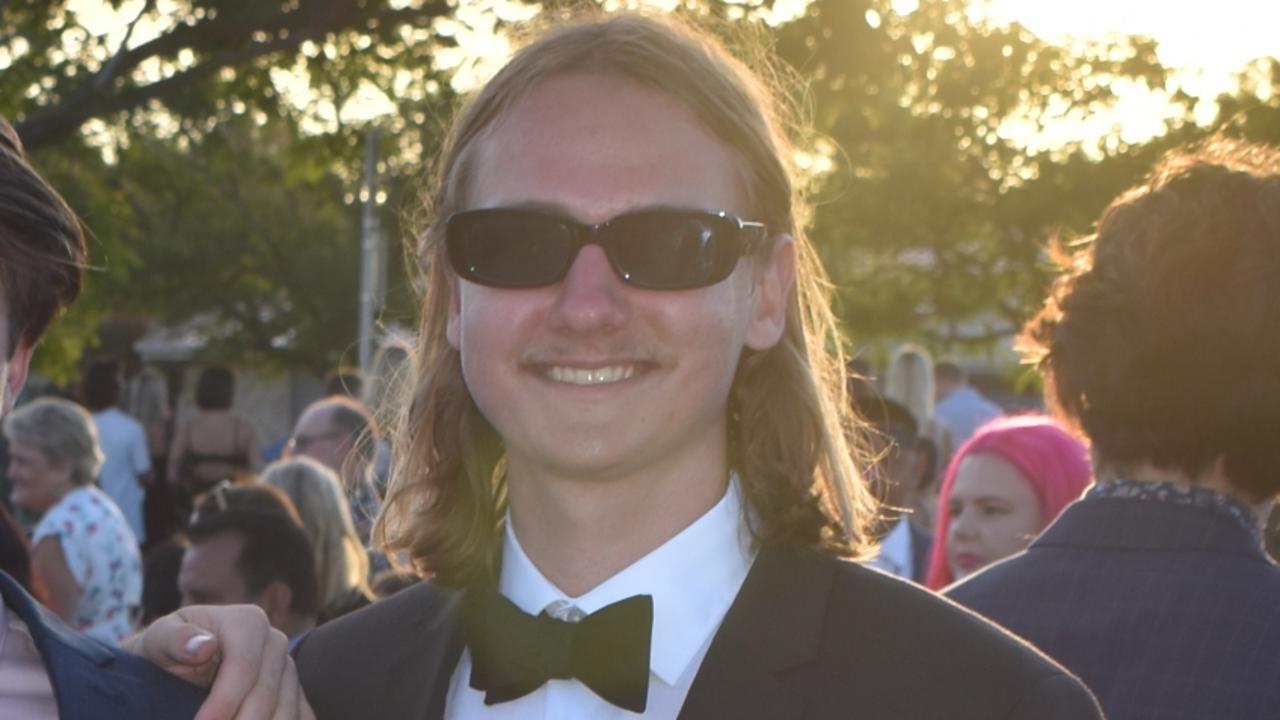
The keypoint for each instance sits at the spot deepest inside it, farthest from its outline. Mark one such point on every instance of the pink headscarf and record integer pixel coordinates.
(1056, 463)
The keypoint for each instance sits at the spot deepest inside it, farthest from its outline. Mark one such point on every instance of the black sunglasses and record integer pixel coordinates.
(657, 249)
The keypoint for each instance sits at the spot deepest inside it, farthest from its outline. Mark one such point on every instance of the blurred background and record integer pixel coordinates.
(249, 169)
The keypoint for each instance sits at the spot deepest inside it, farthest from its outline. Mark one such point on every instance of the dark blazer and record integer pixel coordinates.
(1165, 611)
(807, 637)
(94, 681)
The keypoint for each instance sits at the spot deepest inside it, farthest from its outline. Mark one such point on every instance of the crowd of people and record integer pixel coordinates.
(635, 474)
(291, 536)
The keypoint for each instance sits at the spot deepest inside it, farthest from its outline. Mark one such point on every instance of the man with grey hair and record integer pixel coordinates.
(340, 433)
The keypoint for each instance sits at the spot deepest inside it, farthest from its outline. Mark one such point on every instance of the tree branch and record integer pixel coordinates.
(228, 37)
(112, 67)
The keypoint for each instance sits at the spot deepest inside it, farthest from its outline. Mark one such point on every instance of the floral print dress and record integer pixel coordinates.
(102, 555)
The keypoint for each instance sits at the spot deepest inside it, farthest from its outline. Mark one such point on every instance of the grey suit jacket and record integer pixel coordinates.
(807, 637)
(94, 681)
(1165, 611)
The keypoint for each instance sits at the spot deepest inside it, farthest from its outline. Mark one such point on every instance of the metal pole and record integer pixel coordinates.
(369, 249)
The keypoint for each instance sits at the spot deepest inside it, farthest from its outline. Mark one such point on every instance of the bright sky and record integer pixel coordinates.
(1219, 37)
(1208, 43)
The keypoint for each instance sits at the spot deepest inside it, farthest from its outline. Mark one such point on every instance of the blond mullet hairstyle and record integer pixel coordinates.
(789, 419)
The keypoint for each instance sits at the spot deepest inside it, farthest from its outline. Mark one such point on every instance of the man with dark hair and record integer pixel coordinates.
(960, 408)
(341, 433)
(126, 467)
(624, 454)
(48, 669)
(247, 551)
(900, 473)
(1161, 345)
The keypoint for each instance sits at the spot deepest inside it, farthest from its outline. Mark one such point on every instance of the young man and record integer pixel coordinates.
(1161, 345)
(46, 669)
(623, 460)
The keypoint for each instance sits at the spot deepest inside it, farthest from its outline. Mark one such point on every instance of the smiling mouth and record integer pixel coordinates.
(592, 376)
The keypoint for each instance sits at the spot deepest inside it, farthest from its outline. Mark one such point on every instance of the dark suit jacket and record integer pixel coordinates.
(1165, 611)
(807, 637)
(94, 681)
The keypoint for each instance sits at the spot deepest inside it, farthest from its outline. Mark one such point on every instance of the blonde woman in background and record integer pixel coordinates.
(909, 382)
(342, 566)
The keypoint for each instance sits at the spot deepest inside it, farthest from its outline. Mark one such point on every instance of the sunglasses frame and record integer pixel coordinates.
(748, 236)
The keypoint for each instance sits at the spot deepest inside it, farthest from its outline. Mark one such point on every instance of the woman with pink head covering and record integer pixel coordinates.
(1003, 486)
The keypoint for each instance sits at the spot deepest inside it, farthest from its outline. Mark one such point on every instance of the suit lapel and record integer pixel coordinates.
(417, 676)
(773, 626)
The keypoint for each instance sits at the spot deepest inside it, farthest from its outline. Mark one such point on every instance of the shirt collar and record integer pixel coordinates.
(693, 578)
(895, 550)
(1179, 494)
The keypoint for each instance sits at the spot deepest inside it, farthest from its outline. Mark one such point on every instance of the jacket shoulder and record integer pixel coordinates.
(349, 665)
(905, 639)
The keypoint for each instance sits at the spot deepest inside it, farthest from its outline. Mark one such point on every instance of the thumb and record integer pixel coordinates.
(180, 647)
(199, 648)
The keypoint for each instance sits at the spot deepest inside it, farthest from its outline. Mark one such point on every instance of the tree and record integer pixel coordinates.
(214, 147)
(935, 213)
(210, 189)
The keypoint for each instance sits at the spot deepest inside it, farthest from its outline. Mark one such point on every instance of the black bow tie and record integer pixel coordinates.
(513, 653)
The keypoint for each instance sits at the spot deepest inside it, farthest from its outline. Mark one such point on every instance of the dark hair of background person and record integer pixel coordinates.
(249, 496)
(948, 370)
(890, 424)
(889, 418)
(346, 380)
(41, 242)
(1162, 342)
(15, 557)
(102, 386)
(160, 570)
(215, 388)
(389, 582)
(275, 545)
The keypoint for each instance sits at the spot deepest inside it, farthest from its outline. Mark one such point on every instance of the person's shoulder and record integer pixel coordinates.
(84, 670)
(346, 664)
(902, 635)
(912, 611)
(374, 629)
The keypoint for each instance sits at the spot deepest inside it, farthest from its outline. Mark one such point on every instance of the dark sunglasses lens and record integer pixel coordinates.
(672, 250)
(509, 249)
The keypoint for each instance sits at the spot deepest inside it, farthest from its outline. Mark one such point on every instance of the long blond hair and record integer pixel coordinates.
(789, 420)
(342, 566)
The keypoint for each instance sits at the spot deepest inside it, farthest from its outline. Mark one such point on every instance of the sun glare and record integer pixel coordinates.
(1207, 46)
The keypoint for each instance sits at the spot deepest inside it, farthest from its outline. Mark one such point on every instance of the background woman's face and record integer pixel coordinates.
(994, 513)
(38, 481)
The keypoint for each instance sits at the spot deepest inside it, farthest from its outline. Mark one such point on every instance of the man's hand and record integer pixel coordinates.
(233, 651)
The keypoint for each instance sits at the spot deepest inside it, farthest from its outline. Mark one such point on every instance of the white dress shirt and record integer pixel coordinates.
(895, 555)
(693, 579)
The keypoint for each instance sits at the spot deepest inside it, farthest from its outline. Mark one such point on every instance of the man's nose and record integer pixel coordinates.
(591, 298)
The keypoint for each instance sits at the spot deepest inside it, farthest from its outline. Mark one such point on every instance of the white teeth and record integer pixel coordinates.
(594, 376)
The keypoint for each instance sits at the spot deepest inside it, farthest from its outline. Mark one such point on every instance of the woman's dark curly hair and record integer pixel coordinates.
(1162, 340)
